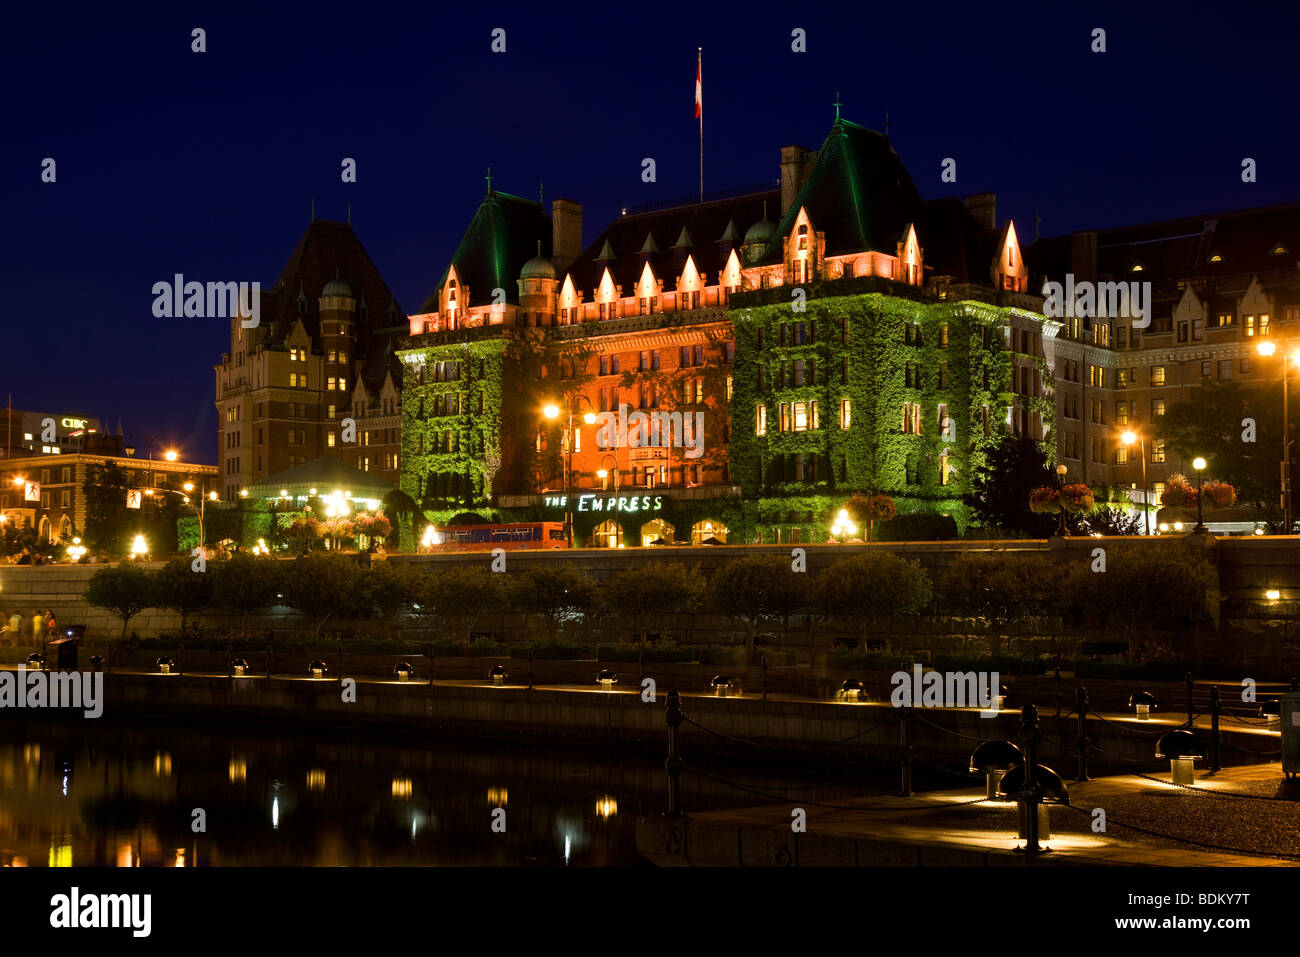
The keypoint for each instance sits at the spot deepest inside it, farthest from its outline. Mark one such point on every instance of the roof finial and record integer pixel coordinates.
(837, 104)
(539, 248)
(488, 177)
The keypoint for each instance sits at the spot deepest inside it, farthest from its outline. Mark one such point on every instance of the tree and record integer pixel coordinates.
(304, 533)
(459, 595)
(1000, 588)
(322, 586)
(1016, 467)
(1209, 423)
(125, 590)
(178, 588)
(557, 592)
(651, 595)
(391, 588)
(108, 520)
(17, 536)
(757, 590)
(877, 584)
(245, 584)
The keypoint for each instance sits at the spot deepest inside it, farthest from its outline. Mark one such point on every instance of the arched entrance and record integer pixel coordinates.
(708, 529)
(65, 529)
(608, 534)
(655, 530)
(44, 530)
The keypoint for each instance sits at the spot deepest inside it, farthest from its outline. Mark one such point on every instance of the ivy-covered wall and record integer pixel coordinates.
(888, 366)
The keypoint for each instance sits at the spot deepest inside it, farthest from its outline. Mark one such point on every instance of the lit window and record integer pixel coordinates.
(846, 414)
(760, 420)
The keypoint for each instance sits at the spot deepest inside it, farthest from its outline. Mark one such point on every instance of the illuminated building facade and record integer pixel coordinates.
(745, 362)
(322, 354)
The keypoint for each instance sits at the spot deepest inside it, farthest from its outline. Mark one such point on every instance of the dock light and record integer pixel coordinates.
(1050, 788)
(316, 779)
(36, 661)
(1273, 594)
(851, 689)
(139, 547)
(1142, 702)
(1183, 749)
(606, 806)
(317, 668)
(165, 664)
(498, 797)
(401, 786)
(96, 662)
(1272, 709)
(606, 679)
(239, 667)
(498, 674)
(237, 770)
(722, 685)
(994, 759)
(404, 671)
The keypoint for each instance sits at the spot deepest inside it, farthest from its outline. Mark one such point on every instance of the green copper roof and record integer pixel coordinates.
(858, 194)
(502, 237)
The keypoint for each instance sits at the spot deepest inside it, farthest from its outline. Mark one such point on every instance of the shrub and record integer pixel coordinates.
(919, 527)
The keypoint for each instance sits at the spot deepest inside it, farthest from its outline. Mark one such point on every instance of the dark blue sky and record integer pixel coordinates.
(206, 164)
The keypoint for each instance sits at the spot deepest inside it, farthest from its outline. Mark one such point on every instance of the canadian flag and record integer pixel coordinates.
(699, 90)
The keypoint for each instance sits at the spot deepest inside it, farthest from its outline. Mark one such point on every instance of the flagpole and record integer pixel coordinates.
(699, 63)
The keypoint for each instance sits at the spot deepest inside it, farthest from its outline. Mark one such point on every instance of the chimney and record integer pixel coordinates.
(1083, 256)
(566, 236)
(796, 163)
(984, 207)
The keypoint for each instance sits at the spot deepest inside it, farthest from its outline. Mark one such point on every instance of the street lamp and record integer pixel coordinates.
(843, 526)
(604, 473)
(552, 412)
(1198, 463)
(1060, 516)
(203, 502)
(1129, 437)
(1267, 348)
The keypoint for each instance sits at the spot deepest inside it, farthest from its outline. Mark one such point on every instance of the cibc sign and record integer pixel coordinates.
(609, 503)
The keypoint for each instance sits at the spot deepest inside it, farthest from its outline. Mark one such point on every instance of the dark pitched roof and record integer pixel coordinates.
(705, 224)
(954, 243)
(324, 251)
(502, 236)
(858, 194)
(1181, 248)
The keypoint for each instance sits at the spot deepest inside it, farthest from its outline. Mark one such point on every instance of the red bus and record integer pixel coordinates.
(513, 536)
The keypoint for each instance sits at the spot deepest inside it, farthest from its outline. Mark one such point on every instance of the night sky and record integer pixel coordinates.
(206, 164)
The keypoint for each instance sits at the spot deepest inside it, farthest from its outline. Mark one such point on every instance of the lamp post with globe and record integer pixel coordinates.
(1198, 463)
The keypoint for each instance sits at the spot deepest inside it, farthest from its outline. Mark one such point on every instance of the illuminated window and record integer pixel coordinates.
(846, 413)
(1158, 451)
(1157, 376)
(1157, 492)
(760, 420)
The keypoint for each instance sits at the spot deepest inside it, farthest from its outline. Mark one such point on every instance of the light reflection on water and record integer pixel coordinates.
(128, 795)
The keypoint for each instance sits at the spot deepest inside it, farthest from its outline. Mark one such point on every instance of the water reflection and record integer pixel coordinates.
(128, 797)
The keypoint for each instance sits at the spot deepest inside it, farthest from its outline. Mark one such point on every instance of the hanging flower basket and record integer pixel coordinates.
(1077, 499)
(1219, 494)
(882, 508)
(1045, 500)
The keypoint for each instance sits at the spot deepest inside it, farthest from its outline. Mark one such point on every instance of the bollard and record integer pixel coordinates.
(762, 663)
(1030, 796)
(673, 766)
(1215, 737)
(1190, 713)
(905, 750)
(430, 664)
(180, 658)
(530, 669)
(1081, 741)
